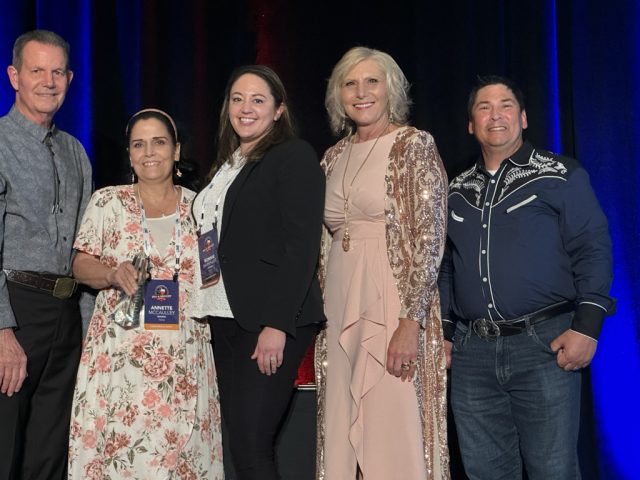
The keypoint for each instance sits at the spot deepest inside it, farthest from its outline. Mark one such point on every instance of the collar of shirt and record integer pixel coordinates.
(37, 131)
(521, 158)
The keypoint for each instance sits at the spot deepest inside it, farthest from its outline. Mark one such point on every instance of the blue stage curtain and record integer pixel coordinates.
(606, 78)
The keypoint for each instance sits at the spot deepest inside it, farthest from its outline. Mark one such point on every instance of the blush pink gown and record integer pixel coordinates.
(372, 418)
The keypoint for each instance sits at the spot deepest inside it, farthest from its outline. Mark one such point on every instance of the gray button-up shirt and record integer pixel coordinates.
(31, 236)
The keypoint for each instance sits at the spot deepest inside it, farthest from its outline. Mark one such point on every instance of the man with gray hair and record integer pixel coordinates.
(45, 183)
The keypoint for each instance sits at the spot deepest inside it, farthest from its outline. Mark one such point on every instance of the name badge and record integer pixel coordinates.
(161, 305)
(208, 253)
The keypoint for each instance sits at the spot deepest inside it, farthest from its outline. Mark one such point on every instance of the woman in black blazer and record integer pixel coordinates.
(264, 205)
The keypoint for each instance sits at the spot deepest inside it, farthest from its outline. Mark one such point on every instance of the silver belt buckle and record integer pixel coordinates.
(64, 288)
(486, 328)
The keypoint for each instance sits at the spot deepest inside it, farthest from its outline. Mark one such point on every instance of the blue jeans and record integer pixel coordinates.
(512, 403)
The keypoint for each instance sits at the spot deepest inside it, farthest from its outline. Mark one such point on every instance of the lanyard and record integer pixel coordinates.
(178, 234)
(219, 199)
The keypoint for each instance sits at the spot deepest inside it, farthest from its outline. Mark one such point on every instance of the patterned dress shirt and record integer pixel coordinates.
(527, 237)
(35, 235)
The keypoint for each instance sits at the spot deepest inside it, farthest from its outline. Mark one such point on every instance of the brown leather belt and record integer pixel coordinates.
(57, 285)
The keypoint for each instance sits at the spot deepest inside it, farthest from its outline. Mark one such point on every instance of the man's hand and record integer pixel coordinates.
(13, 363)
(269, 352)
(574, 350)
(402, 354)
(448, 349)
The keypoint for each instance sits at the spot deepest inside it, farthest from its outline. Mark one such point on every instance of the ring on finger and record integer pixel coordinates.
(405, 367)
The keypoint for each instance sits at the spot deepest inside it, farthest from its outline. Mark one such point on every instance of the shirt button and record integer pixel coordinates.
(486, 203)
(493, 181)
(484, 279)
(484, 252)
(484, 225)
(64, 238)
(490, 305)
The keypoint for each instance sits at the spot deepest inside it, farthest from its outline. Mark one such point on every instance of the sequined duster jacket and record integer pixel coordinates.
(415, 210)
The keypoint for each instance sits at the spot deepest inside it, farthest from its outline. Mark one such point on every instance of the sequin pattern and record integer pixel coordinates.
(415, 209)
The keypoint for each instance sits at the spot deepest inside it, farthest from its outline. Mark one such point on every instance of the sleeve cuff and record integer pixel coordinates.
(448, 329)
(588, 320)
(404, 313)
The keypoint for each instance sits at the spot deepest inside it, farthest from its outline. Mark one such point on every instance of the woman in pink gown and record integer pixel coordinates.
(380, 362)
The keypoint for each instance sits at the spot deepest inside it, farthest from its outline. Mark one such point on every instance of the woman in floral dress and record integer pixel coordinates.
(145, 404)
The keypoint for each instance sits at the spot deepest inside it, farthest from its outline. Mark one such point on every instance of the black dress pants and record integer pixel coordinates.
(34, 431)
(253, 405)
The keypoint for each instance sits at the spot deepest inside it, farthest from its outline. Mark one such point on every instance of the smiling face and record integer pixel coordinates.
(252, 110)
(497, 120)
(364, 96)
(152, 152)
(41, 83)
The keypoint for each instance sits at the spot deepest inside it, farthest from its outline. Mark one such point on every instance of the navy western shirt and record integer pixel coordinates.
(531, 235)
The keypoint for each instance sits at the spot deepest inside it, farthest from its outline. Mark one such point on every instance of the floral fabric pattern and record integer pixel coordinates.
(145, 404)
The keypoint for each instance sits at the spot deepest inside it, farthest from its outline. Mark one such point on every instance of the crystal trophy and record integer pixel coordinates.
(129, 308)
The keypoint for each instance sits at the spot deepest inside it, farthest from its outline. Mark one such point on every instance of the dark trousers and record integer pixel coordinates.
(253, 404)
(34, 432)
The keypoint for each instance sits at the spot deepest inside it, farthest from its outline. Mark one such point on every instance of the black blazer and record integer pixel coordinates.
(270, 239)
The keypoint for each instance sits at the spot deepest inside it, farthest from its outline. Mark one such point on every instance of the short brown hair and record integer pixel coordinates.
(41, 36)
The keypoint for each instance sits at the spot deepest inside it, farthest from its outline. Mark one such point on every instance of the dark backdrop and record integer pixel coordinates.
(577, 61)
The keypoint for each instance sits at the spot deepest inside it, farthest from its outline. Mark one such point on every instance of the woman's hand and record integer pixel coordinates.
(89, 270)
(269, 352)
(402, 355)
(124, 277)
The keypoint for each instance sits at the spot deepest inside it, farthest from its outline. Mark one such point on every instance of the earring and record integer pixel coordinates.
(177, 170)
(391, 119)
(343, 125)
(276, 118)
(133, 175)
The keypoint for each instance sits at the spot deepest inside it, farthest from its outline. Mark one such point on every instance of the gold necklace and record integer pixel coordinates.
(346, 238)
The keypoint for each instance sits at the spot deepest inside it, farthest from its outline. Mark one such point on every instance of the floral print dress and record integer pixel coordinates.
(145, 405)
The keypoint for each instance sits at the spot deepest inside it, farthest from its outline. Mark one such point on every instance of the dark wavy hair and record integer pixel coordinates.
(281, 130)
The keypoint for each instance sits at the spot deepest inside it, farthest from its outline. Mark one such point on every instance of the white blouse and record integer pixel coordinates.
(162, 229)
(213, 300)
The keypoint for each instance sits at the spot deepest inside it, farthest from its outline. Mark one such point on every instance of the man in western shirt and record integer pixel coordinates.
(525, 289)
(45, 183)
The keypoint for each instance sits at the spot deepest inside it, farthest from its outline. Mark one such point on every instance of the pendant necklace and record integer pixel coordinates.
(346, 238)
